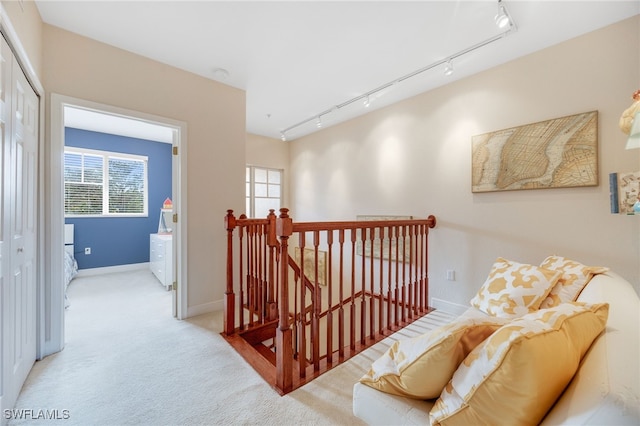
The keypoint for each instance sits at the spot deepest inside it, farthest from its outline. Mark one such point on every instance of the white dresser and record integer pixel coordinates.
(160, 258)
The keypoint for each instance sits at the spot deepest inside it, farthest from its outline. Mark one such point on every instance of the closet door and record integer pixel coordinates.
(5, 225)
(20, 137)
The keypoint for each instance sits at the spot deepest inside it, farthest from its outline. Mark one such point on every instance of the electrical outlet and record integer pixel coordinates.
(451, 275)
(87, 250)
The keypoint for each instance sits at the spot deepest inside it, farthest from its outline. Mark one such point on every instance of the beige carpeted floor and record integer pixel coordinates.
(128, 362)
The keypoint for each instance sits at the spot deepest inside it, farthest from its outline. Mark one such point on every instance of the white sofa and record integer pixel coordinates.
(604, 391)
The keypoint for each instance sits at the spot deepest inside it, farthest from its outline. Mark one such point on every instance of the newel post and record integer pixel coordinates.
(284, 342)
(229, 296)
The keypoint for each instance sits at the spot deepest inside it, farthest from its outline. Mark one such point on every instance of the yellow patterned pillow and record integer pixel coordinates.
(514, 289)
(575, 276)
(422, 366)
(517, 374)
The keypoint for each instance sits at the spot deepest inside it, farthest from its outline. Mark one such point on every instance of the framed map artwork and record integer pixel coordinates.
(558, 153)
(309, 267)
(380, 246)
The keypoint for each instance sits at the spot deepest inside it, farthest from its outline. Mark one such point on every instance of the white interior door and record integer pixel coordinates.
(20, 137)
(5, 226)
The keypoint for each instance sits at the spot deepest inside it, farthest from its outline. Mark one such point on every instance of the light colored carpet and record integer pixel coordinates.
(128, 362)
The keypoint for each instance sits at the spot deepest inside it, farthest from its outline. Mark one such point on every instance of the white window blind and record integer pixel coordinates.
(98, 183)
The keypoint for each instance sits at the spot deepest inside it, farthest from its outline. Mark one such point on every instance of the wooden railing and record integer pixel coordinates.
(304, 297)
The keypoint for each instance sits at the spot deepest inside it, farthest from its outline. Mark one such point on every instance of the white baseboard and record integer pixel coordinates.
(111, 269)
(205, 308)
(449, 307)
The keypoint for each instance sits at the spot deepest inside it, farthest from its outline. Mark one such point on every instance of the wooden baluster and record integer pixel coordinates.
(423, 281)
(264, 274)
(352, 322)
(272, 242)
(264, 283)
(229, 295)
(316, 306)
(389, 281)
(247, 288)
(363, 288)
(403, 287)
(372, 298)
(302, 342)
(413, 276)
(251, 271)
(297, 315)
(396, 286)
(341, 296)
(256, 272)
(329, 283)
(407, 270)
(381, 295)
(261, 274)
(422, 270)
(418, 265)
(241, 265)
(284, 348)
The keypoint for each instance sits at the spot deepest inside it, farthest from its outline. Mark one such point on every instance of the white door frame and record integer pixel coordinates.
(54, 301)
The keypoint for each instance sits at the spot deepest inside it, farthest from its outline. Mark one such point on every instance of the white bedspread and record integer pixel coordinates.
(70, 271)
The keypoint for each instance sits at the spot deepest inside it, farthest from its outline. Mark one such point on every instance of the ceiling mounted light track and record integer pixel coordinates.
(365, 97)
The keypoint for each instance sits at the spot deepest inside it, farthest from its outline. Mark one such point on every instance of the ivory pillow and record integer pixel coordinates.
(514, 289)
(422, 366)
(575, 276)
(517, 374)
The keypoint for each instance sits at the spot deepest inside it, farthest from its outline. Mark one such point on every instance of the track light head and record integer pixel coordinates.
(448, 68)
(283, 137)
(319, 122)
(367, 102)
(502, 18)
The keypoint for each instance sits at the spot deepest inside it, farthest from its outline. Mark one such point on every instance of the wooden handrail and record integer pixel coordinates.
(375, 279)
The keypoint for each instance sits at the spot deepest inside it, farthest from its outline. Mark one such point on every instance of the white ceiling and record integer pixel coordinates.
(297, 59)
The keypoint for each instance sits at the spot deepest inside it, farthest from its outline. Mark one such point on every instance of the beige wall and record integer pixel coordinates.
(26, 21)
(272, 153)
(215, 115)
(414, 158)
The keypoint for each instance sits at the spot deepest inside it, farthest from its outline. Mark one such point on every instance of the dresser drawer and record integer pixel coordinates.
(160, 258)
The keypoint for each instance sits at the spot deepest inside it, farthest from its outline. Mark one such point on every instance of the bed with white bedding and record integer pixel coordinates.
(70, 263)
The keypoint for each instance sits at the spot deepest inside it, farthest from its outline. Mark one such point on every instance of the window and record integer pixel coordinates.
(100, 183)
(263, 191)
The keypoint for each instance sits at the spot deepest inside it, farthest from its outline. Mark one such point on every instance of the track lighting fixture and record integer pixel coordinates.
(448, 68)
(503, 20)
(283, 137)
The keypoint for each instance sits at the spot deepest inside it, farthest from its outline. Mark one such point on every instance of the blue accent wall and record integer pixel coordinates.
(121, 240)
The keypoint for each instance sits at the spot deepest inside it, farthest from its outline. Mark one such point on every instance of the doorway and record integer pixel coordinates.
(62, 108)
